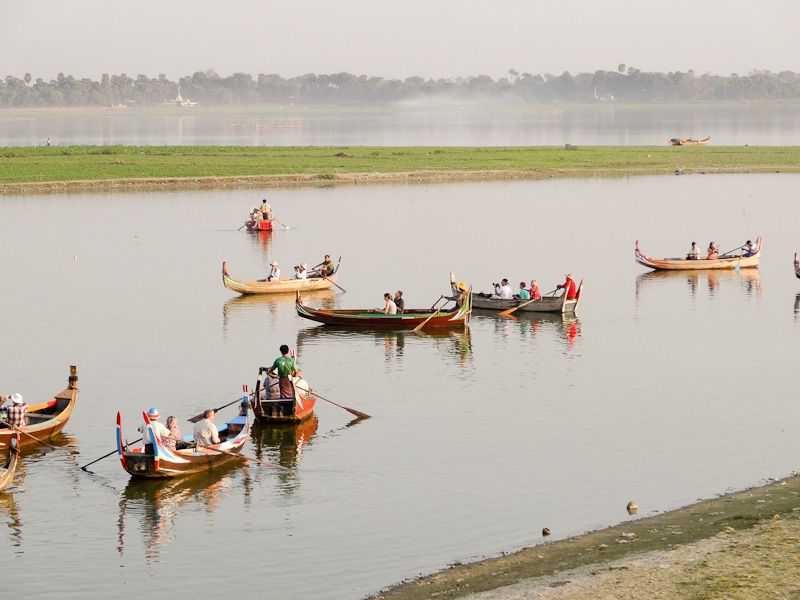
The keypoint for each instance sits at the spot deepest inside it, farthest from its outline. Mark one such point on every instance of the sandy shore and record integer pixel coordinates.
(741, 545)
(296, 180)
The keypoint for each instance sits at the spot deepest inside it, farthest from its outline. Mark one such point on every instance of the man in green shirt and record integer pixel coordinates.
(284, 368)
(523, 293)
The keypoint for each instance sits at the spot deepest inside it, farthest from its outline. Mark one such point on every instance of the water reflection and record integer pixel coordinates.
(157, 504)
(268, 306)
(796, 306)
(564, 327)
(8, 507)
(748, 280)
(284, 444)
(262, 243)
(454, 343)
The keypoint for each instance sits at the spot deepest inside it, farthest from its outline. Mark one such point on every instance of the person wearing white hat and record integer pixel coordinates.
(569, 287)
(159, 429)
(301, 271)
(15, 412)
(274, 271)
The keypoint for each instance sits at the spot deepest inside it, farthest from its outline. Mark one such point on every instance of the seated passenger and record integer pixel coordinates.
(205, 432)
(159, 429)
(16, 410)
(301, 272)
(535, 293)
(694, 252)
(503, 290)
(390, 308)
(523, 293)
(274, 272)
(713, 252)
(399, 302)
(173, 440)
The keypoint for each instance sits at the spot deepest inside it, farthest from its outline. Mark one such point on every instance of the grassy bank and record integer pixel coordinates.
(730, 515)
(41, 169)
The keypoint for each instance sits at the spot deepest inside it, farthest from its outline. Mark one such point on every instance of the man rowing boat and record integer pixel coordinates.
(569, 287)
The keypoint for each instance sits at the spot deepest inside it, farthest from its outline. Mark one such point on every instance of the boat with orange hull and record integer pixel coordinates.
(263, 225)
(376, 319)
(187, 460)
(282, 286)
(7, 471)
(269, 409)
(44, 421)
(685, 264)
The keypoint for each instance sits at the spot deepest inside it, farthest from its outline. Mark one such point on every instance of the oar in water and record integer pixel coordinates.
(83, 468)
(435, 310)
(353, 411)
(281, 224)
(10, 426)
(513, 309)
(240, 228)
(333, 282)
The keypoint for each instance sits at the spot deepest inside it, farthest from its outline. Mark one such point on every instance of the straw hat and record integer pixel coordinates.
(274, 263)
(16, 398)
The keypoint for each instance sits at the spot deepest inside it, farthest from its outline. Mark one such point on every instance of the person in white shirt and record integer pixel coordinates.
(205, 432)
(390, 308)
(694, 252)
(159, 429)
(274, 271)
(301, 272)
(504, 290)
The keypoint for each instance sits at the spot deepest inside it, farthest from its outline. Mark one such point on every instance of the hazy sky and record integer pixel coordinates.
(398, 38)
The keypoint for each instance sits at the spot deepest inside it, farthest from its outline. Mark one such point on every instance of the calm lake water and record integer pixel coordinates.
(468, 125)
(664, 390)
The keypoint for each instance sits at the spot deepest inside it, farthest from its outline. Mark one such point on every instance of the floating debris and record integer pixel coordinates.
(545, 532)
(632, 507)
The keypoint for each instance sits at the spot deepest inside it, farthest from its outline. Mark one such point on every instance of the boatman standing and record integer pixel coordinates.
(266, 210)
(569, 287)
(284, 368)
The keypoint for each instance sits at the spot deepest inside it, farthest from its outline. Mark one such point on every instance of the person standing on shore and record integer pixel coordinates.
(49, 142)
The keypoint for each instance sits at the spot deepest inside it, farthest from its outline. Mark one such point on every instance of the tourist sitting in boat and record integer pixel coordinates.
(503, 290)
(523, 294)
(399, 302)
(300, 271)
(15, 409)
(694, 252)
(284, 368)
(274, 272)
(748, 249)
(205, 432)
(266, 210)
(173, 441)
(713, 251)
(569, 287)
(158, 428)
(390, 308)
(535, 292)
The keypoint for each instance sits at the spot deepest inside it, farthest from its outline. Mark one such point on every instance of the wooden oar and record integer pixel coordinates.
(333, 282)
(10, 426)
(281, 224)
(352, 411)
(729, 251)
(201, 416)
(83, 468)
(425, 322)
(513, 309)
(240, 228)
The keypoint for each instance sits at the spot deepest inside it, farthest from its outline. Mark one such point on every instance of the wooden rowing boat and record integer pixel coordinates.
(165, 462)
(262, 286)
(796, 266)
(7, 470)
(263, 225)
(547, 304)
(372, 318)
(689, 142)
(283, 410)
(683, 264)
(47, 419)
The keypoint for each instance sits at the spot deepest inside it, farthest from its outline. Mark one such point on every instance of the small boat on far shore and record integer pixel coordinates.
(685, 264)
(7, 471)
(689, 142)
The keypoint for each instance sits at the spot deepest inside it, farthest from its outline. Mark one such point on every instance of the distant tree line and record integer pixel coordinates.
(625, 84)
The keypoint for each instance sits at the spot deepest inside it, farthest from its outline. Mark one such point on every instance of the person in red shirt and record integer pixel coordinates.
(535, 292)
(569, 287)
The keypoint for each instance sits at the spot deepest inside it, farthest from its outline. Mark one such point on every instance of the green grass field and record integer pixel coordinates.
(81, 163)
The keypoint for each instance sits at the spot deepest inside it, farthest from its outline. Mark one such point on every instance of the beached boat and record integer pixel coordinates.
(373, 318)
(165, 462)
(796, 266)
(262, 286)
(282, 410)
(547, 304)
(684, 264)
(7, 470)
(47, 419)
(689, 142)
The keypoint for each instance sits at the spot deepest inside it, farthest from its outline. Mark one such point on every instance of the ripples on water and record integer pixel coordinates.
(663, 389)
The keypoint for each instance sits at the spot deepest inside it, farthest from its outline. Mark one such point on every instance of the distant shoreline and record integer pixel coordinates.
(581, 559)
(77, 169)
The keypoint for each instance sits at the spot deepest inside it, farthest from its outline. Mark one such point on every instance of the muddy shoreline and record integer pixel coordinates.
(540, 566)
(152, 184)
